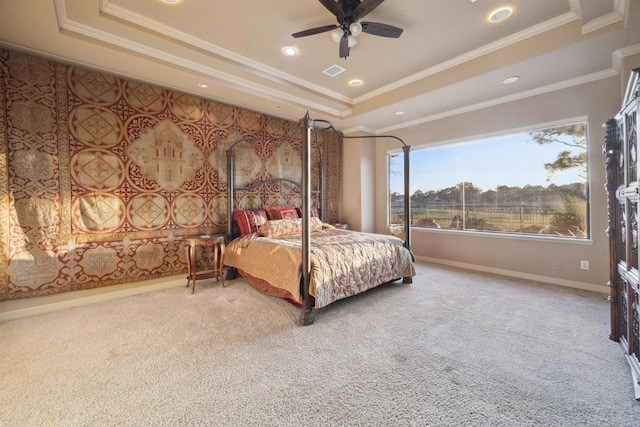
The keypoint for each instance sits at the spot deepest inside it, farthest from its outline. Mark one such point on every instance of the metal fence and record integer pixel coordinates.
(493, 218)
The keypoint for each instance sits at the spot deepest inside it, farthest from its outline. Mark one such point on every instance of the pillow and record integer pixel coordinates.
(281, 212)
(244, 241)
(287, 227)
(249, 221)
(314, 212)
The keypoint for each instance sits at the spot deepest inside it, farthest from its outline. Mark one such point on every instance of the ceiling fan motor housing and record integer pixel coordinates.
(348, 7)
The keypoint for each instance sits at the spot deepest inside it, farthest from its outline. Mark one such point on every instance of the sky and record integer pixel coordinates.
(512, 160)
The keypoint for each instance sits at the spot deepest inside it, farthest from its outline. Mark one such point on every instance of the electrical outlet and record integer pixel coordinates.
(584, 265)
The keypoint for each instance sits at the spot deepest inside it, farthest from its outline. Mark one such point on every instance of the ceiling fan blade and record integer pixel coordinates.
(365, 7)
(334, 8)
(313, 31)
(344, 47)
(382, 30)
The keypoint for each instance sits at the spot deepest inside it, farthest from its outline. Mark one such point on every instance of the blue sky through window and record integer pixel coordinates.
(513, 160)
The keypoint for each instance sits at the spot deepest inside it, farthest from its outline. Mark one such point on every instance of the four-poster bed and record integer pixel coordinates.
(297, 256)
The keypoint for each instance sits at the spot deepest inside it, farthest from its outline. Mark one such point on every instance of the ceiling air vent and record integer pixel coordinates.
(334, 70)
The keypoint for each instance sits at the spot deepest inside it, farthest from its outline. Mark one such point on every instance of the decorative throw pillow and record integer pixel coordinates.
(287, 227)
(244, 241)
(281, 212)
(249, 221)
(314, 212)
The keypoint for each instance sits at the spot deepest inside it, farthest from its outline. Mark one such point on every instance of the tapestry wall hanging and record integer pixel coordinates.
(103, 176)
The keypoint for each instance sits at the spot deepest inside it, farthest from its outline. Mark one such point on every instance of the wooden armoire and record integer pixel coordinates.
(623, 190)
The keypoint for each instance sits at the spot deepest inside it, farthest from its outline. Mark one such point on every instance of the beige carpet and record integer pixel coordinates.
(455, 348)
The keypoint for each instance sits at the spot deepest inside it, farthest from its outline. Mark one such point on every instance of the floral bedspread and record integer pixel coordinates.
(343, 263)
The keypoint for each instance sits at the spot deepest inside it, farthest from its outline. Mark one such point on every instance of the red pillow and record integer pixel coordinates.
(282, 212)
(249, 221)
(314, 212)
(285, 213)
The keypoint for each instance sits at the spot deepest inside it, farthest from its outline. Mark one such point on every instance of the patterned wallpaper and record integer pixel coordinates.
(103, 177)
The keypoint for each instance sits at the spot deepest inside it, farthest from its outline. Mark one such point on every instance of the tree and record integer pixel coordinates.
(572, 136)
(395, 196)
(419, 198)
(450, 194)
(570, 216)
(471, 192)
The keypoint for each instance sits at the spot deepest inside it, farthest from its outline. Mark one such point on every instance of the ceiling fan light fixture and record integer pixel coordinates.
(352, 41)
(337, 34)
(355, 29)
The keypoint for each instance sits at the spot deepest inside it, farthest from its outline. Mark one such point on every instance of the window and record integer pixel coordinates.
(532, 183)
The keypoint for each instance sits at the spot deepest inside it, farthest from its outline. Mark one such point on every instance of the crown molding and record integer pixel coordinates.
(355, 129)
(505, 99)
(620, 54)
(620, 8)
(72, 27)
(474, 54)
(107, 8)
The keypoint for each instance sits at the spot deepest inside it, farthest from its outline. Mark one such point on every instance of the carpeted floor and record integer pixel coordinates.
(455, 348)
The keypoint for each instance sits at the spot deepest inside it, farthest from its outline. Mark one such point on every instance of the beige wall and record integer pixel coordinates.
(627, 64)
(351, 203)
(550, 260)
(359, 183)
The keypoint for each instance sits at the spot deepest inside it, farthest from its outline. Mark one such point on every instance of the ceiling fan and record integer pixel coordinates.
(348, 13)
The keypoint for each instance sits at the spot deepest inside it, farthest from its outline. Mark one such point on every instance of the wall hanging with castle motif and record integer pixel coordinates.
(102, 176)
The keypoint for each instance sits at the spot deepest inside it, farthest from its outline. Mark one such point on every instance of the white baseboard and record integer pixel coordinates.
(73, 299)
(603, 289)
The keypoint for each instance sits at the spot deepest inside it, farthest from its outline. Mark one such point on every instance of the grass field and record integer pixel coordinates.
(510, 219)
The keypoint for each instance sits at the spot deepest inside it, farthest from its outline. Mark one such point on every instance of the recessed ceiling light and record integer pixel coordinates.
(290, 51)
(399, 113)
(202, 85)
(356, 83)
(500, 14)
(172, 2)
(510, 80)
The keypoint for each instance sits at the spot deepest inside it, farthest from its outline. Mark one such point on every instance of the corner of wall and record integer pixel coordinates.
(358, 207)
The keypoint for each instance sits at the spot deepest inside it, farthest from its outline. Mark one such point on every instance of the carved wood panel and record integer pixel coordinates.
(623, 188)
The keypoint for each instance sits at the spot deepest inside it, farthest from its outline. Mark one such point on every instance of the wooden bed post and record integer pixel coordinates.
(230, 185)
(406, 149)
(306, 123)
(231, 272)
(407, 199)
(321, 190)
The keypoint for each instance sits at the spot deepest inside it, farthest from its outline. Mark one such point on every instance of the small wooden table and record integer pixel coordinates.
(217, 242)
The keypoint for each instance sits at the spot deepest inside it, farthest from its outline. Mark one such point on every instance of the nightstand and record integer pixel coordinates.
(217, 242)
